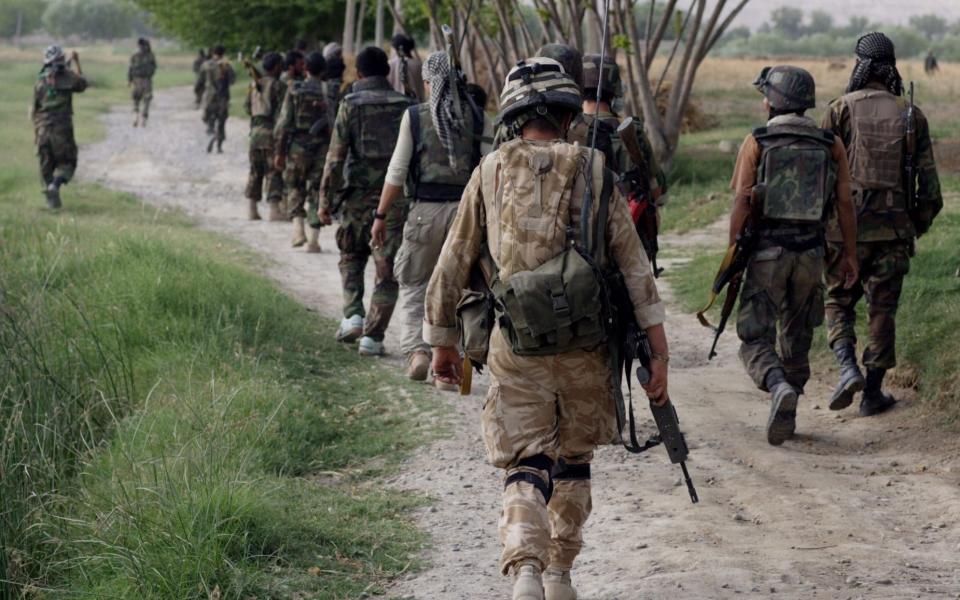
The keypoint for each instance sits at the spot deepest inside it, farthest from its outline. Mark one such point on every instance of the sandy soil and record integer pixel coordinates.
(852, 508)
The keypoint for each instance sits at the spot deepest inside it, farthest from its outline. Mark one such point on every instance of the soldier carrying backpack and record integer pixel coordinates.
(791, 176)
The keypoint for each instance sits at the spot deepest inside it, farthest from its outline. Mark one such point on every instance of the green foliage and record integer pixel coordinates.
(29, 12)
(90, 19)
(787, 21)
(909, 43)
(931, 25)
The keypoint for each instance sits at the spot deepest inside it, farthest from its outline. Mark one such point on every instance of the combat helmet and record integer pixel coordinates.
(607, 78)
(533, 87)
(787, 88)
(53, 54)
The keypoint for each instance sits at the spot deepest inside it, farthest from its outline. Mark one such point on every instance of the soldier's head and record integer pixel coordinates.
(539, 99)
(272, 63)
(605, 78)
(333, 53)
(53, 55)
(372, 62)
(569, 58)
(144, 44)
(403, 44)
(301, 46)
(786, 89)
(293, 63)
(219, 50)
(876, 63)
(316, 65)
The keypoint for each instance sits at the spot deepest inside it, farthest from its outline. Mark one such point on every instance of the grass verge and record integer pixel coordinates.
(171, 425)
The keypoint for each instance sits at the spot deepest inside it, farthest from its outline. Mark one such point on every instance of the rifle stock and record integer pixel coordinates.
(637, 184)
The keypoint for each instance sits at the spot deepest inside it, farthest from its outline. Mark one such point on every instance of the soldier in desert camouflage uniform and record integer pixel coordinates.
(544, 415)
(218, 76)
(263, 104)
(870, 120)
(140, 77)
(302, 138)
(364, 136)
(52, 114)
(801, 176)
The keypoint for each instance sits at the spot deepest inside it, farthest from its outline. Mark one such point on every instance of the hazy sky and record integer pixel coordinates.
(879, 11)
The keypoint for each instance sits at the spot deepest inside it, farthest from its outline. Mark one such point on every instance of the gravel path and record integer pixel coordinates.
(852, 508)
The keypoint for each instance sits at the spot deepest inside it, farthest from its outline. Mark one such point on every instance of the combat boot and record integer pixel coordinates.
(418, 366)
(557, 586)
(783, 408)
(371, 347)
(53, 194)
(350, 329)
(527, 582)
(219, 146)
(211, 144)
(874, 400)
(275, 213)
(253, 214)
(313, 245)
(299, 237)
(851, 379)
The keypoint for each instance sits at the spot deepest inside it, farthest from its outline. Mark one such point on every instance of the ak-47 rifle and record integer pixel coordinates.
(251, 68)
(911, 154)
(731, 270)
(636, 185)
(455, 85)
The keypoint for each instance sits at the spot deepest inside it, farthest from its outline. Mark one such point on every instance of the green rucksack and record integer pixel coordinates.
(797, 166)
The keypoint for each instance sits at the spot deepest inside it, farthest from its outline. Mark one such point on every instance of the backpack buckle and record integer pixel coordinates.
(560, 305)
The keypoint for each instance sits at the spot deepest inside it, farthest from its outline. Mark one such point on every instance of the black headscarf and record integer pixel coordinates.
(877, 60)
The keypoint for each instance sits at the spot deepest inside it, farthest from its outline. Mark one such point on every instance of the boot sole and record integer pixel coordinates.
(350, 336)
(845, 397)
(779, 431)
(879, 411)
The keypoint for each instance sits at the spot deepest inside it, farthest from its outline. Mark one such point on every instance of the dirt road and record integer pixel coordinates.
(852, 508)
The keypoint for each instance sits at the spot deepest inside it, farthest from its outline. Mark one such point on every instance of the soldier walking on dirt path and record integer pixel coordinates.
(896, 202)
(200, 82)
(140, 78)
(52, 116)
(432, 169)
(218, 77)
(302, 138)
(551, 404)
(790, 175)
(405, 68)
(364, 136)
(263, 104)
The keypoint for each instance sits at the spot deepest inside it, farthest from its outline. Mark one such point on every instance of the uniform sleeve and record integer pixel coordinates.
(402, 154)
(133, 59)
(929, 194)
(248, 102)
(336, 154)
(745, 171)
(627, 251)
(451, 275)
(282, 129)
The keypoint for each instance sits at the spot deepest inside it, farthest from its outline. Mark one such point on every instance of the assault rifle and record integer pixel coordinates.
(636, 185)
(730, 274)
(251, 68)
(911, 154)
(455, 85)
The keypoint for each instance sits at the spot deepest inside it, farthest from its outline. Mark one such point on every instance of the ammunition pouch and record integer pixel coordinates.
(475, 320)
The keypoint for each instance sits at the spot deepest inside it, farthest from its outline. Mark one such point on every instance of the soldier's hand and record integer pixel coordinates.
(279, 162)
(849, 270)
(379, 233)
(447, 364)
(656, 388)
(323, 214)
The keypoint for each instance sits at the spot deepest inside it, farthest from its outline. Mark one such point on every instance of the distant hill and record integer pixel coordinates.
(878, 11)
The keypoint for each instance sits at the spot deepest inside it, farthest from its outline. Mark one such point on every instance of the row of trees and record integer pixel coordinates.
(90, 19)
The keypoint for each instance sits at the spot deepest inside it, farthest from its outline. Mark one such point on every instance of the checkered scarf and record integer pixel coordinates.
(436, 71)
(876, 59)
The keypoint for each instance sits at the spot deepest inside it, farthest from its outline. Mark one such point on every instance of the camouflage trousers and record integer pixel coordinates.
(142, 95)
(353, 240)
(215, 113)
(198, 92)
(261, 170)
(423, 235)
(555, 407)
(57, 151)
(301, 180)
(883, 265)
(781, 287)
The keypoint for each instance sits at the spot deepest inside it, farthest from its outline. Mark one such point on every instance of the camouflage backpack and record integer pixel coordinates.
(310, 107)
(797, 167)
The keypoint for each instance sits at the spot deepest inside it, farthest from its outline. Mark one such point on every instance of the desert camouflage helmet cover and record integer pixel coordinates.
(52, 54)
(608, 78)
(787, 88)
(537, 84)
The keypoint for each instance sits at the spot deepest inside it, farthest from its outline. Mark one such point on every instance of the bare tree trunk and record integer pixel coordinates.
(378, 25)
(397, 11)
(654, 44)
(19, 30)
(673, 51)
(358, 36)
(349, 25)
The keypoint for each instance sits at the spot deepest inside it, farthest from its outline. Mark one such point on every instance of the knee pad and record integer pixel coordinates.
(564, 471)
(541, 462)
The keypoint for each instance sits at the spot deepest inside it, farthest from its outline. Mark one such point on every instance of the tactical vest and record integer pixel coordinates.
(53, 95)
(375, 111)
(432, 177)
(332, 88)
(581, 132)
(261, 107)
(142, 64)
(798, 170)
(557, 306)
(310, 107)
(877, 145)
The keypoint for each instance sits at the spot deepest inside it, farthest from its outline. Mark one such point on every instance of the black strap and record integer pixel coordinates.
(414, 113)
(567, 472)
(541, 462)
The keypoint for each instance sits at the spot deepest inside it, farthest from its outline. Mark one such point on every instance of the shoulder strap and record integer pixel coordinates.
(477, 113)
(414, 117)
(603, 213)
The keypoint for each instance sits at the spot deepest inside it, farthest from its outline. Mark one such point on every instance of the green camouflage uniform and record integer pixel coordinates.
(263, 105)
(52, 113)
(200, 81)
(140, 75)
(617, 158)
(559, 407)
(886, 229)
(218, 77)
(364, 136)
(303, 107)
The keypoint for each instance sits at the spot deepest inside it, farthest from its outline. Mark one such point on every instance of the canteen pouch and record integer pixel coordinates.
(475, 319)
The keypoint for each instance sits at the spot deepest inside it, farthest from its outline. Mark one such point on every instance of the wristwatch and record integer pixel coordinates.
(377, 215)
